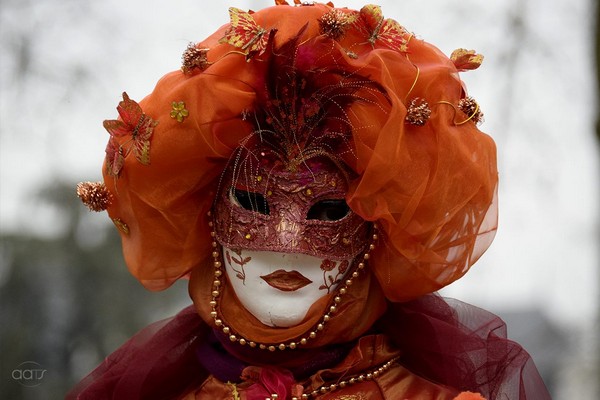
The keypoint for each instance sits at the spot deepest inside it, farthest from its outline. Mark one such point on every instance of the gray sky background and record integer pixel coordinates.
(69, 61)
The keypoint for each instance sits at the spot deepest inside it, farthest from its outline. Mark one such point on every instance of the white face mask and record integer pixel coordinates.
(279, 288)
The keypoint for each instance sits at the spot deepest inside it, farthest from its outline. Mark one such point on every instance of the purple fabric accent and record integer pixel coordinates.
(213, 357)
(312, 360)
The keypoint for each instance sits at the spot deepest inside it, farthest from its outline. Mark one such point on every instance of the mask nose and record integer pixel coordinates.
(288, 230)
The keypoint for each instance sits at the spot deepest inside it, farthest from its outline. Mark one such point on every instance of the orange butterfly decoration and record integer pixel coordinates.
(245, 33)
(385, 31)
(133, 122)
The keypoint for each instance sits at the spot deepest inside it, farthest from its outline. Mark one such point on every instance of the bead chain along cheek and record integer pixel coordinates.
(216, 292)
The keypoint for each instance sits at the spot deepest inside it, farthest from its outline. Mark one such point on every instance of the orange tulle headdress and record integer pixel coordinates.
(419, 166)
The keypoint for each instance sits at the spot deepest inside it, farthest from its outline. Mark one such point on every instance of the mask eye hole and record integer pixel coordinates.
(328, 210)
(251, 201)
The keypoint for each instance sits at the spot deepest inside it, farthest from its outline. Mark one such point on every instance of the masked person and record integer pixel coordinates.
(317, 173)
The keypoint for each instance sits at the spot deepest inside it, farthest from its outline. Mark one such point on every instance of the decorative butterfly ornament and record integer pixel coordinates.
(380, 30)
(245, 34)
(133, 122)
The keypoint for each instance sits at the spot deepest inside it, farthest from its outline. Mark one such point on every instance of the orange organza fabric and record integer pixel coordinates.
(431, 188)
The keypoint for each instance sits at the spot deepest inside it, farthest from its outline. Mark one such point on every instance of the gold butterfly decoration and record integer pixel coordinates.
(245, 34)
(380, 30)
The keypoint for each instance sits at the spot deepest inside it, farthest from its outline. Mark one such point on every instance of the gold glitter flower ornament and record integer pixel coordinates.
(194, 59)
(418, 112)
(179, 112)
(335, 23)
(469, 106)
(94, 195)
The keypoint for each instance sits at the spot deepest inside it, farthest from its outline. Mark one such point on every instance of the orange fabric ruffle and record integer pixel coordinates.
(431, 188)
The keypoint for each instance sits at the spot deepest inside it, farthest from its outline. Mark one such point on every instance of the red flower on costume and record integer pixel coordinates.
(270, 381)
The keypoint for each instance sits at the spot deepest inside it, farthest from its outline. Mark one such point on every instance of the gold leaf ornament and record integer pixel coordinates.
(121, 226)
(465, 60)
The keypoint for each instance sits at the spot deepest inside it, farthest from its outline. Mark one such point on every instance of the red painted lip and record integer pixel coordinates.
(286, 281)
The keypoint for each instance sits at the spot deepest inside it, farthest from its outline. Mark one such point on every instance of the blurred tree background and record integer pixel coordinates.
(66, 297)
(67, 301)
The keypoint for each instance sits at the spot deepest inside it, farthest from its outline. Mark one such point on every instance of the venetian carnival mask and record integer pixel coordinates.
(288, 236)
